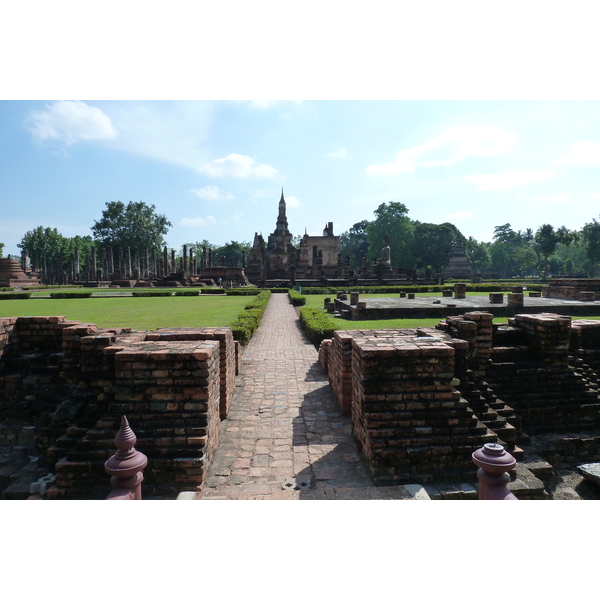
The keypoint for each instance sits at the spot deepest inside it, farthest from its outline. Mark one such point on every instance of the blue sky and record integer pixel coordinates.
(216, 168)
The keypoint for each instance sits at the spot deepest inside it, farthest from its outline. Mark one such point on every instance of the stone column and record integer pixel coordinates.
(76, 263)
(165, 262)
(173, 264)
(93, 269)
(128, 264)
(104, 265)
(111, 262)
(185, 261)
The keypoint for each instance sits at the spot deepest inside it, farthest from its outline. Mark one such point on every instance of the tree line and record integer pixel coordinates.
(136, 225)
(414, 244)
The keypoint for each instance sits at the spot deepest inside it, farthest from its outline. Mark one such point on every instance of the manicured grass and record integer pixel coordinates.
(139, 313)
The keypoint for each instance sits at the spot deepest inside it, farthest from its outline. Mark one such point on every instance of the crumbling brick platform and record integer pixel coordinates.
(72, 381)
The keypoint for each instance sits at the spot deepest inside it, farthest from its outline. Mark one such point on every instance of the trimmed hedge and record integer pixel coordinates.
(147, 293)
(188, 293)
(16, 296)
(296, 298)
(243, 291)
(212, 291)
(67, 295)
(33, 288)
(316, 325)
(248, 320)
(8, 289)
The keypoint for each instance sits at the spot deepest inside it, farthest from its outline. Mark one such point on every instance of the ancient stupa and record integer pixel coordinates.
(11, 274)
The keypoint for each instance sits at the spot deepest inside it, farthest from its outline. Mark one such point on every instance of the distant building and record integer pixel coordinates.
(278, 259)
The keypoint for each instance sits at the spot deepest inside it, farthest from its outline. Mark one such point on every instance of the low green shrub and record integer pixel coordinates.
(69, 295)
(34, 288)
(187, 293)
(9, 289)
(316, 325)
(243, 292)
(16, 296)
(213, 291)
(148, 293)
(248, 320)
(296, 298)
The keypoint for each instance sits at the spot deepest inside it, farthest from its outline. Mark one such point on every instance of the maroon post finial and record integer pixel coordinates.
(126, 466)
(494, 462)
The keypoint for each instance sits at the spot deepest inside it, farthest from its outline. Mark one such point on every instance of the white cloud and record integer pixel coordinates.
(292, 202)
(463, 214)
(500, 181)
(195, 221)
(212, 192)
(596, 195)
(70, 121)
(582, 153)
(341, 153)
(237, 165)
(236, 216)
(554, 198)
(448, 148)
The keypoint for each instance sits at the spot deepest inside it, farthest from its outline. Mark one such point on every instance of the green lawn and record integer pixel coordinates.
(139, 313)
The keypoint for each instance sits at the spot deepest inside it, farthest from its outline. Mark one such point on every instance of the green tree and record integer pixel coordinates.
(1, 249)
(230, 254)
(432, 245)
(136, 225)
(591, 234)
(526, 259)
(355, 243)
(392, 219)
(478, 254)
(44, 244)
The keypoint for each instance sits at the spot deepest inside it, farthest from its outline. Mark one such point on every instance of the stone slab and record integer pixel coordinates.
(591, 472)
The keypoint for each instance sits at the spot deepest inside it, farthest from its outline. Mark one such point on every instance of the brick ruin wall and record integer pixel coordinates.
(64, 386)
(572, 289)
(422, 400)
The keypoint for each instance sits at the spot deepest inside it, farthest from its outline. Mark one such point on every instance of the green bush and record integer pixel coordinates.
(8, 289)
(296, 298)
(212, 291)
(147, 293)
(243, 292)
(16, 296)
(67, 295)
(248, 320)
(34, 288)
(316, 325)
(188, 293)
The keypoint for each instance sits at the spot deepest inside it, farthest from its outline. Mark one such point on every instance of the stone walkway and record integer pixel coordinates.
(285, 437)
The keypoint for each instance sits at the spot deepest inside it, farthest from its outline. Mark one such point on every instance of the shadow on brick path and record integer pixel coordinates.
(285, 437)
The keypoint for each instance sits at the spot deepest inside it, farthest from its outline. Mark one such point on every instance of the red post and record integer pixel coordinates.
(126, 466)
(494, 462)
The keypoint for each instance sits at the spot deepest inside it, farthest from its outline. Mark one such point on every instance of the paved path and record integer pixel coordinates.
(285, 426)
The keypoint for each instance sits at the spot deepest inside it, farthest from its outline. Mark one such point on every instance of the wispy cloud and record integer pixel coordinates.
(450, 147)
(341, 153)
(70, 121)
(236, 216)
(238, 165)
(500, 181)
(212, 192)
(554, 198)
(197, 221)
(292, 202)
(463, 214)
(582, 153)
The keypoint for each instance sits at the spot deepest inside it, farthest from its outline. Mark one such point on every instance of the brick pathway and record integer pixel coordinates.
(284, 425)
